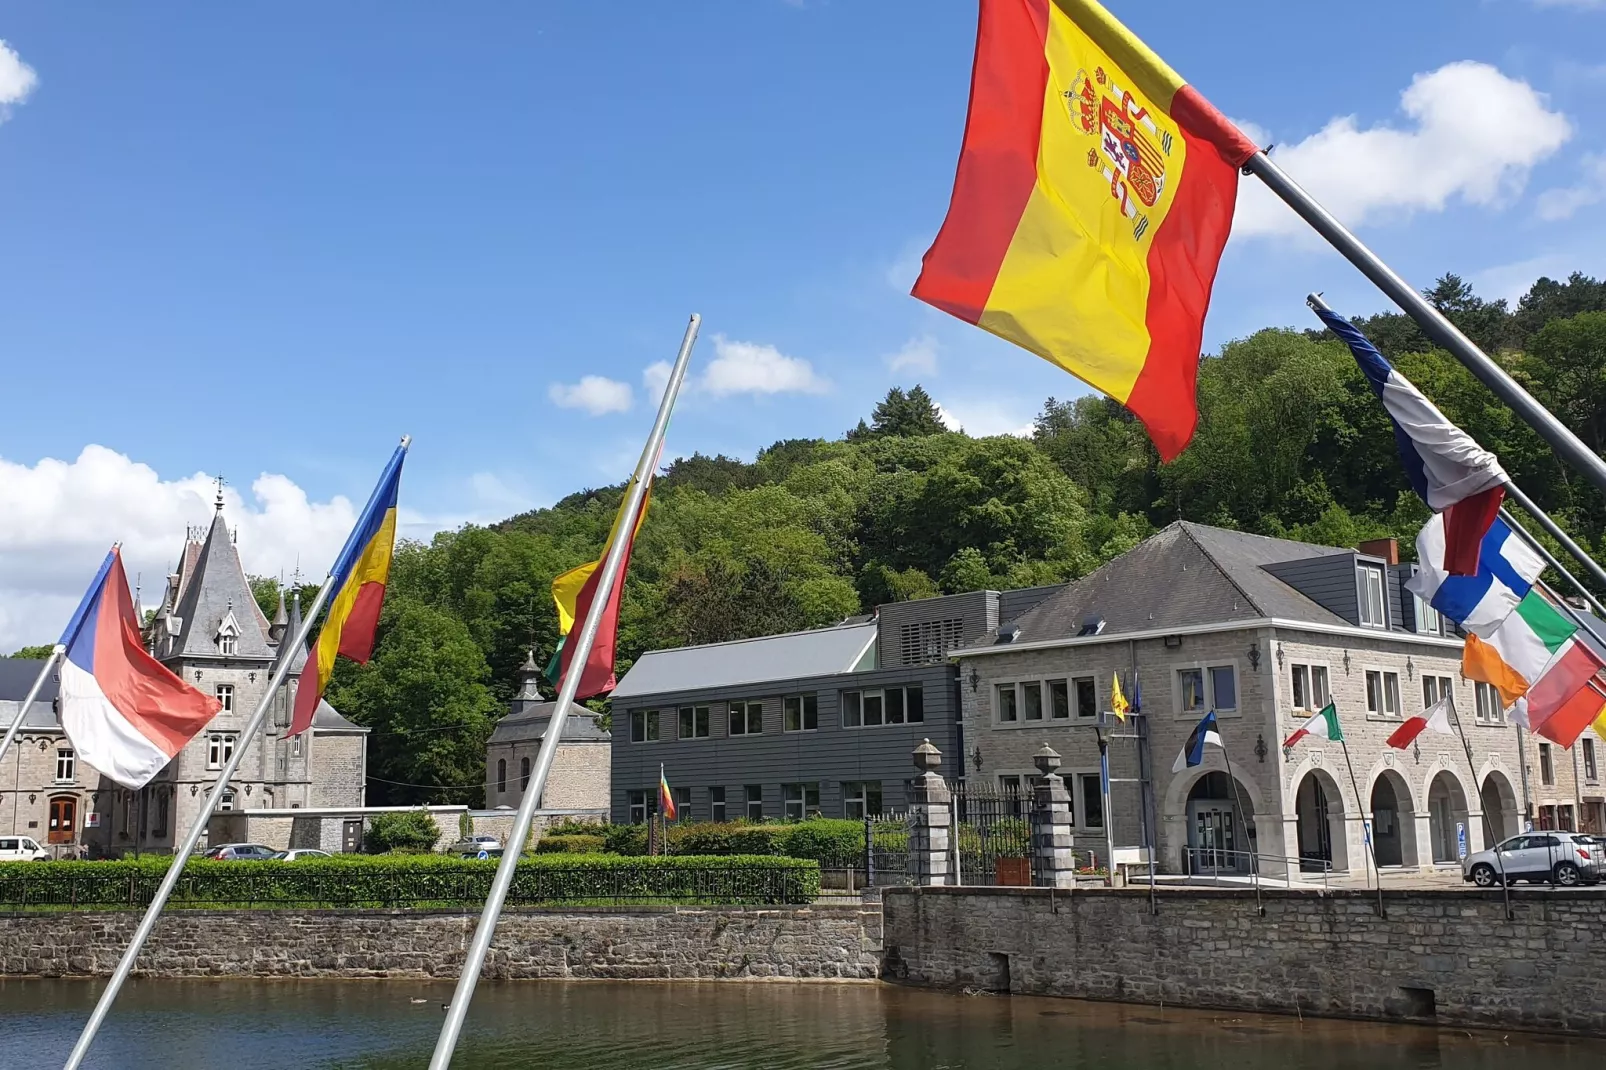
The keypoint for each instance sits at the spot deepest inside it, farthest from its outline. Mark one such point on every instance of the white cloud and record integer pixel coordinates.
(17, 80)
(596, 394)
(918, 355)
(751, 368)
(1561, 203)
(1474, 135)
(984, 418)
(902, 272)
(58, 518)
(655, 379)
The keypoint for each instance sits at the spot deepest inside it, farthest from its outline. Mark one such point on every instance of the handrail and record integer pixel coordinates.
(1291, 864)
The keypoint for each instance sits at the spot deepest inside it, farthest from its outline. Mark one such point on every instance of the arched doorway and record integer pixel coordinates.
(1447, 817)
(1319, 809)
(1393, 821)
(1220, 835)
(1499, 807)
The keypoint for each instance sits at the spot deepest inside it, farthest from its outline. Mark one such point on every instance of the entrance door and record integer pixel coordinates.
(1212, 838)
(63, 819)
(351, 836)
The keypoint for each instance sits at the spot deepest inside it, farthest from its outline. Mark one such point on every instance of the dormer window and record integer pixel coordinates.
(1373, 601)
(227, 644)
(228, 634)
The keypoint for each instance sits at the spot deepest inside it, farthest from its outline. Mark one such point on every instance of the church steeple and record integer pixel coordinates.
(214, 591)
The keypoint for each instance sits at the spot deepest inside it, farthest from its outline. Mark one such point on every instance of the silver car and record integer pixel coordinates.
(473, 845)
(1548, 857)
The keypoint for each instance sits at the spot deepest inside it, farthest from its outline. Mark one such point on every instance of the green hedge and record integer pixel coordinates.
(833, 842)
(570, 844)
(412, 880)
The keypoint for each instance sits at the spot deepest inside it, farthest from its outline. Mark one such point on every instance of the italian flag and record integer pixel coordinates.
(1435, 717)
(1323, 726)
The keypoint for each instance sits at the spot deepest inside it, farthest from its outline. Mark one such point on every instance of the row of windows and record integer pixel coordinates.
(1086, 789)
(1308, 685)
(1199, 688)
(860, 798)
(1374, 607)
(799, 713)
(501, 774)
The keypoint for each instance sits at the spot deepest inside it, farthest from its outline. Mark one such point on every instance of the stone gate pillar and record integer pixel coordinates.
(1053, 865)
(930, 819)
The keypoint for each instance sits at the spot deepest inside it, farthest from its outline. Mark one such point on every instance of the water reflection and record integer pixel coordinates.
(391, 1025)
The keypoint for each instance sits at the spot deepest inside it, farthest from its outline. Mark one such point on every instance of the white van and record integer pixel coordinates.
(22, 849)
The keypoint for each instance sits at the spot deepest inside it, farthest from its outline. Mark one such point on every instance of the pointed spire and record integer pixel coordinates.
(281, 621)
(529, 692)
(219, 503)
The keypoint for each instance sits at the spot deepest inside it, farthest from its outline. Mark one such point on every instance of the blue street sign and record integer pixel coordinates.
(1460, 839)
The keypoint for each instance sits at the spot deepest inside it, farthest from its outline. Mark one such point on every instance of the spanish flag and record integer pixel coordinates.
(1093, 197)
(573, 593)
(358, 580)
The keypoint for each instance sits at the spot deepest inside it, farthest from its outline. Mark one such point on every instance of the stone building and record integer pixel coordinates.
(579, 779)
(1264, 631)
(210, 632)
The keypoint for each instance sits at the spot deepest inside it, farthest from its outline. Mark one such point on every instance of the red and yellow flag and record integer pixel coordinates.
(1093, 197)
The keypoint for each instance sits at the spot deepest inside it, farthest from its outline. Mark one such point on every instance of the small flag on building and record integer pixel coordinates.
(1516, 653)
(1118, 702)
(125, 713)
(1436, 718)
(666, 798)
(1566, 698)
(1507, 569)
(1204, 734)
(1324, 725)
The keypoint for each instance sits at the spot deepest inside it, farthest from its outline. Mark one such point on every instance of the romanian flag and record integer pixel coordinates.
(358, 580)
(666, 798)
(1094, 194)
(573, 593)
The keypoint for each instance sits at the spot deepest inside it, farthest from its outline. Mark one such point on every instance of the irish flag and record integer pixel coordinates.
(1322, 726)
(1435, 718)
(1518, 651)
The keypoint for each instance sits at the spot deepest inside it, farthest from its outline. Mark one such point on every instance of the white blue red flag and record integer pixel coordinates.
(126, 714)
(1507, 570)
(1453, 474)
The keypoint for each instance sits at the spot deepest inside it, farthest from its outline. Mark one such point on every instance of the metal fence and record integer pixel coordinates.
(992, 833)
(881, 862)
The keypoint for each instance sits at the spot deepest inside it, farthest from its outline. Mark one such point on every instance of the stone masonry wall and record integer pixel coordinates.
(818, 943)
(1449, 956)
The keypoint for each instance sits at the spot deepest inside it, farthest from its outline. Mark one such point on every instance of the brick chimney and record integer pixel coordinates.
(1387, 549)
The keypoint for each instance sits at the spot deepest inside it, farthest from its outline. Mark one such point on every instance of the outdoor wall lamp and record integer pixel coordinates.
(1254, 655)
(1279, 655)
(975, 677)
(1346, 663)
(1410, 667)
(1260, 748)
(197, 674)
(975, 759)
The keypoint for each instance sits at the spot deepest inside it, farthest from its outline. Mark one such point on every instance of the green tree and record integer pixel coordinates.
(903, 414)
(34, 653)
(411, 832)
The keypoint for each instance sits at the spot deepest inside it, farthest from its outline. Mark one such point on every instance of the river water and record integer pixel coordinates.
(391, 1025)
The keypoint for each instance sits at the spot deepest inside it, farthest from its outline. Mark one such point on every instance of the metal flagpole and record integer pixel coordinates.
(1109, 818)
(474, 960)
(1515, 525)
(1430, 319)
(182, 854)
(1554, 531)
(1366, 828)
(1488, 826)
(1254, 863)
(33, 692)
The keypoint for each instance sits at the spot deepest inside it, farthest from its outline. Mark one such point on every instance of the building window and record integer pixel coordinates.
(1487, 701)
(1031, 700)
(1059, 700)
(295, 746)
(643, 726)
(929, 641)
(227, 645)
(716, 804)
(227, 801)
(1190, 684)
(1428, 621)
(1382, 693)
(799, 800)
(1547, 768)
(1092, 800)
(747, 718)
(694, 722)
(755, 802)
(1310, 687)
(861, 798)
(1223, 688)
(682, 804)
(1564, 818)
(1434, 688)
(66, 765)
(524, 774)
(638, 807)
(160, 828)
(219, 749)
(501, 776)
(225, 697)
(1591, 771)
(1374, 607)
(1006, 704)
(892, 705)
(801, 713)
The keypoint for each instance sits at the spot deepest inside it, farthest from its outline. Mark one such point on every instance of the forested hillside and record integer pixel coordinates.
(1291, 442)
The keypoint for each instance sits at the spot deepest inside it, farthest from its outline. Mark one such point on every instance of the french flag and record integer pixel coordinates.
(125, 713)
(1453, 474)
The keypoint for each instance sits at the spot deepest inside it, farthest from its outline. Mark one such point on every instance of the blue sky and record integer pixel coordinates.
(268, 239)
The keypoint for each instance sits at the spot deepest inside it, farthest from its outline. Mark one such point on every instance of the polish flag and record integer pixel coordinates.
(1436, 718)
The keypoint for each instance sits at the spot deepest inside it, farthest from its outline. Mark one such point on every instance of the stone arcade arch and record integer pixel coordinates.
(1319, 812)
(1449, 821)
(1499, 804)
(1393, 820)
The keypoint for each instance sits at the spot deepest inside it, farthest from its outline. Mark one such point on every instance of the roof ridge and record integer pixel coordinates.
(872, 623)
(1221, 569)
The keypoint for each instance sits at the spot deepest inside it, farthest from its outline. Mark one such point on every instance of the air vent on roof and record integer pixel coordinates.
(1008, 632)
(1092, 624)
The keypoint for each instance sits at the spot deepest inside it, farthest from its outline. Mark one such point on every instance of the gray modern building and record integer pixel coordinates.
(821, 721)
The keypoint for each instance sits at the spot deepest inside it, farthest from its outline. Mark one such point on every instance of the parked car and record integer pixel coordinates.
(1563, 858)
(299, 853)
(22, 849)
(241, 852)
(473, 845)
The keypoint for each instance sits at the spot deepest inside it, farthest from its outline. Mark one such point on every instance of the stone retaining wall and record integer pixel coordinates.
(836, 943)
(1448, 956)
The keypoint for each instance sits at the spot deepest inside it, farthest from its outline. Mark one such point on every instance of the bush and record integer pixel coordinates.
(570, 844)
(577, 828)
(410, 880)
(830, 841)
(726, 838)
(625, 839)
(411, 830)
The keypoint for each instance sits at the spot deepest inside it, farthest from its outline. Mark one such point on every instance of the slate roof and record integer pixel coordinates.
(1187, 574)
(530, 724)
(16, 677)
(329, 719)
(216, 585)
(820, 652)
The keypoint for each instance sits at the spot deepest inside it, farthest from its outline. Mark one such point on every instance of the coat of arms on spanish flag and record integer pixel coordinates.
(1093, 197)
